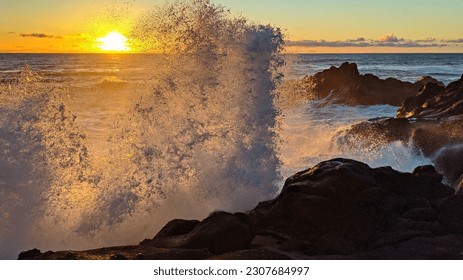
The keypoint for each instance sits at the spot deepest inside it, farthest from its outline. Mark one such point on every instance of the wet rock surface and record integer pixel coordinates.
(431, 121)
(338, 209)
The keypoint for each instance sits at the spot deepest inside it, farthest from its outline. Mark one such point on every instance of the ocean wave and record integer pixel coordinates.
(200, 135)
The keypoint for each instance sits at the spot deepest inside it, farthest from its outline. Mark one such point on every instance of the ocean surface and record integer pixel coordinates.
(134, 67)
(95, 145)
(406, 67)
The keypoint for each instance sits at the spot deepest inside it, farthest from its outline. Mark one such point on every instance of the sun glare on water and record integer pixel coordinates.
(114, 41)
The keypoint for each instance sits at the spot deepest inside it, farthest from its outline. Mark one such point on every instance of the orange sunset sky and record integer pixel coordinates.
(312, 26)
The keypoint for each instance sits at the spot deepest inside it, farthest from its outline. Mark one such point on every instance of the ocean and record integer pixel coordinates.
(104, 149)
(134, 67)
(405, 67)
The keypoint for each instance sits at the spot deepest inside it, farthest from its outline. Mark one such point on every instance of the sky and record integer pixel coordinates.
(311, 26)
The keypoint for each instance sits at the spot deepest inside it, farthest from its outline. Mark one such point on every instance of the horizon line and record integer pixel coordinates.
(302, 53)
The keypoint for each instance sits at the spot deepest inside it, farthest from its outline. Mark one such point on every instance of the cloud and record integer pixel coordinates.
(360, 39)
(456, 41)
(390, 40)
(409, 44)
(40, 35)
(324, 43)
(427, 40)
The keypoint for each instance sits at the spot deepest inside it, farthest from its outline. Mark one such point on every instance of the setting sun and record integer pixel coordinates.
(114, 41)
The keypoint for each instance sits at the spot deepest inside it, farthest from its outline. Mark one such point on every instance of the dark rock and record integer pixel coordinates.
(177, 227)
(174, 254)
(421, 214)
(446, 247)
(412, 186)
(118, 257)
(338, 209)
(222, 232)
(434, 101)
(350, 202)
(126, 253)
(254, 254)
(374, 133)
(324, 245)
(430, 172)
(219, 233)
(403, 225)
(426, 136)
(286, 214)
(29, 254)
(60, 255)
(399, 236)
(327, 175)
(424, 80)
(412, 106)
(264, 241)
(451, 213)
(174, 228)
(346, 85)
(430, 120)
(393, 203)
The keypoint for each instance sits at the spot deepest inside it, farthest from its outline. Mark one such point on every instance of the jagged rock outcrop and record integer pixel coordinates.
(435, 102)
(346, 85)
(338, 209)
(432, 121)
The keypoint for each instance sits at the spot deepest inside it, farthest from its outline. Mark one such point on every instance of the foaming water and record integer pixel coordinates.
(42, 151)
(310, 130)
(196, 132)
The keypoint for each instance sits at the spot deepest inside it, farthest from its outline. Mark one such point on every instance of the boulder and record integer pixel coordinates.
(444, 247)
(29, 254)
(424, 80)
(451, 214)
(221, 232)
(346, 85)
(350, 203)
(177, 227)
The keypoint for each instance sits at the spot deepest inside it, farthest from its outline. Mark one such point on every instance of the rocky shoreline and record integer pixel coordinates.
(341, 208)
(338, 209)
(431, 121)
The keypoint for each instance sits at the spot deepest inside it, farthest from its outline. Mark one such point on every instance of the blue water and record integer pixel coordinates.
(405, 67)
(71, 67)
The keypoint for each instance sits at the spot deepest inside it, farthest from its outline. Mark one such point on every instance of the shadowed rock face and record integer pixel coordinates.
(413, 106)
(344, 206)
(338, 209)
(237, 229)
(435, 102)
(346, 85)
